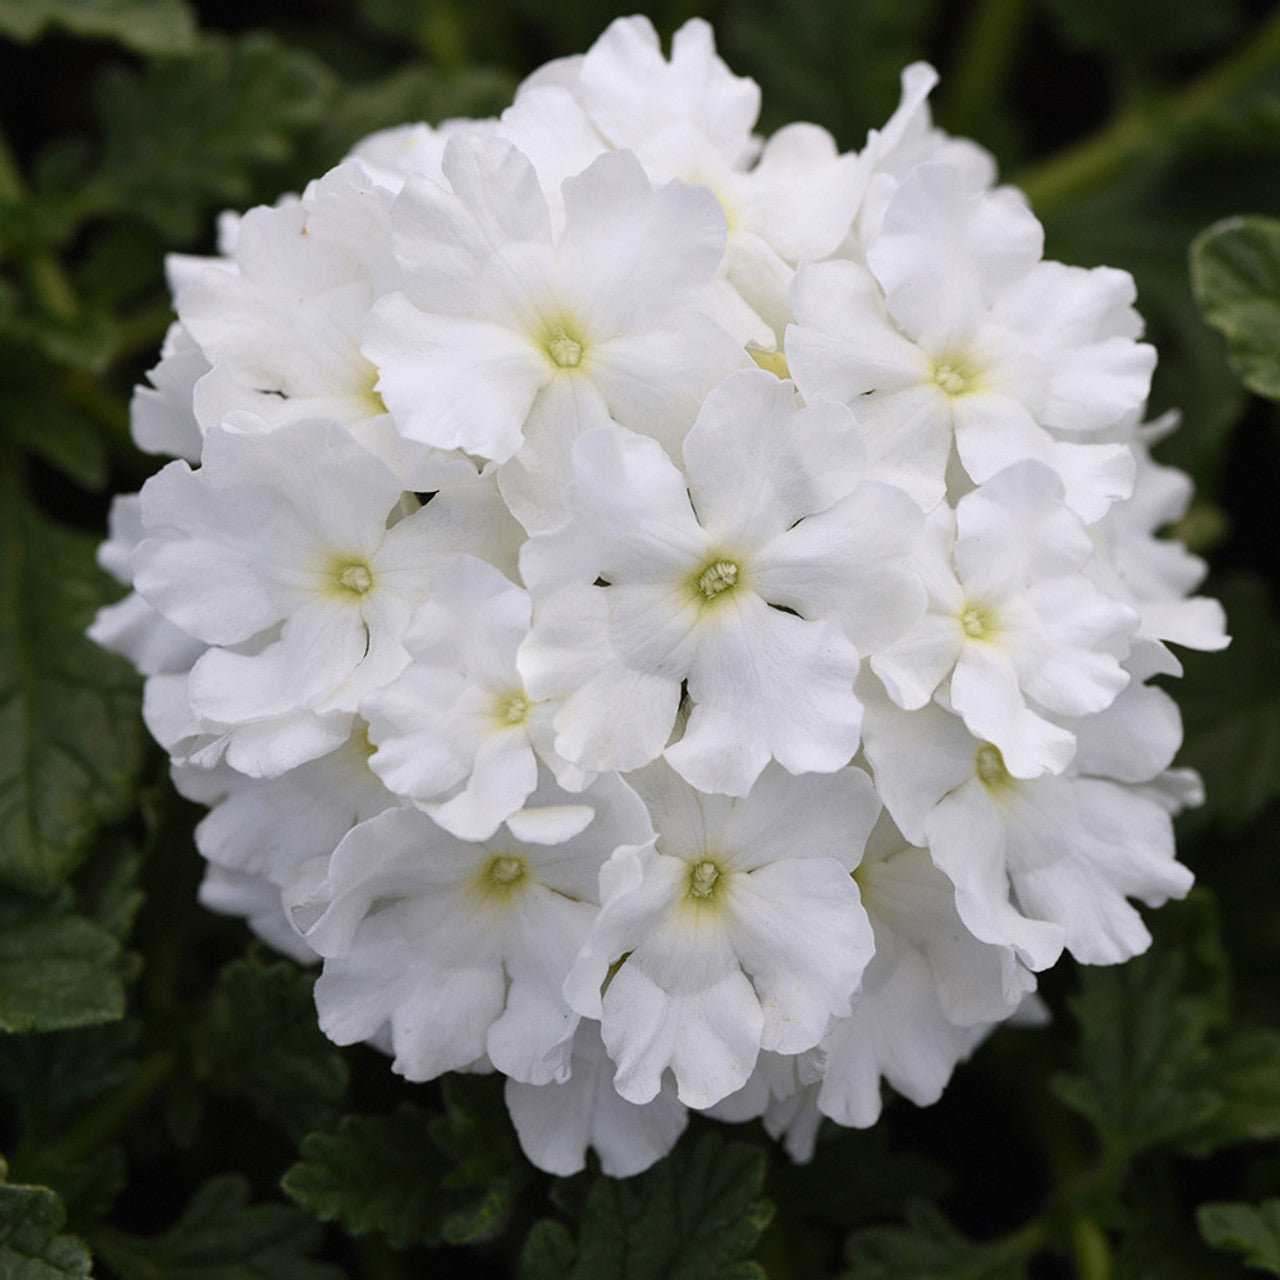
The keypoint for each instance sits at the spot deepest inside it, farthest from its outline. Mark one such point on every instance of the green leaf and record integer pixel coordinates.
(1231, 708)
(1144, 1036)
(31, 1246)
(150, 26)
(1255, 1232)
(187, 136)
(928, 1247)
(70, 730)
(696, 1215)
(375, 1174)
(805, 53)
(220, 1236)
(262, 1042)
(1243, 1073)
(1235, 273)
(412, 1176)
(51, 1077)
(57, 970)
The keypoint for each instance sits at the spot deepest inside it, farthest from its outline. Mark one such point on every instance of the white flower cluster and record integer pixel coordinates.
(665, 615)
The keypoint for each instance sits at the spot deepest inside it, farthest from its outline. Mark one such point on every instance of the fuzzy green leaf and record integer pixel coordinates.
(412, 1176)
(1255, 1232)
(1231, 708)
(150, 26)
(927, 1247)
(70, 732)
(221, 1236)
(188, 136)
(1235, 272)
(1147, 1036)
(57, 970)
(375, 1174)
(263, 1043)
(1243, 1073)
(696, 1215)
(31, 1244)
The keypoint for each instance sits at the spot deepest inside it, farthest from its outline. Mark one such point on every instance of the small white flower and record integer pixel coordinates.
(739, 928)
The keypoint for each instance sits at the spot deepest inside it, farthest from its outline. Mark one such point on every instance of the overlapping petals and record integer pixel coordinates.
(663, 613)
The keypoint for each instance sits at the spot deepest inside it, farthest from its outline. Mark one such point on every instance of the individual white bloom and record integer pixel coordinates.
(631, 92)
(287, 319)
(509, 340)
(930, 994)
(739, 928)
(280, 321)
(756, 577)
(132, 627)
(796, 203)
(1156, 575)
(463, 947)
(256, 901)
(910, 138)
(1037, 863)
(557, 1122)
(270, 827)
(1015, 627)
(931, 345)
(456, 726)
(280, 542)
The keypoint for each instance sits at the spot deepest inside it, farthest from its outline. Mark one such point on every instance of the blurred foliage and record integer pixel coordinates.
(160, 1086)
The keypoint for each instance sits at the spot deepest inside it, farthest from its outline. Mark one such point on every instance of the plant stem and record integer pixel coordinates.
(1137, 129)
(44, 272)
(987, 46)
(1091, 1249)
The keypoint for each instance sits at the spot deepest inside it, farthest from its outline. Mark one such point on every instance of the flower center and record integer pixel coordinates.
(506, 870)
(565, 352)
(975, 622)
(949, 378)
(774, 362)
(513, 709)
(356, 578)
(703, 878)
(717, 578)
(989, 765)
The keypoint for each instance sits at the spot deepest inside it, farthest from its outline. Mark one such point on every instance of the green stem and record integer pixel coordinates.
(101, 1124)
(1138, 129)
(1091, 1249)
(987, 46)
(44, 271)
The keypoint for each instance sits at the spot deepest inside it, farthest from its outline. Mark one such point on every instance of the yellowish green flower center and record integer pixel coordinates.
(774, 362)
(513, 709)
(717, 578)
(355, 577)
(950, 379)
(989, 765)
(565, 352)
(506, 870)
(703, 878)
(975, 621)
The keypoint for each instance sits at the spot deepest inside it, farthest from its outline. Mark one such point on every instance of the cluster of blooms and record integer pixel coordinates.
(665, 615)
